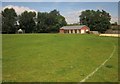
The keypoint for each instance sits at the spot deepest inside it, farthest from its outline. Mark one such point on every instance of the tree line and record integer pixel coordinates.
(42, 22)
(96, 20)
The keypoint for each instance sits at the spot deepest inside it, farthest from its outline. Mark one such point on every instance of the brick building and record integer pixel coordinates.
(75, 29)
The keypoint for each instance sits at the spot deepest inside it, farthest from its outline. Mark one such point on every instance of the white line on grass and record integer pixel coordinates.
(99, 66)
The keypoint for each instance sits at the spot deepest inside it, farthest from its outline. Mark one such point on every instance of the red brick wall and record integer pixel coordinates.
(85, 28)
(61, 31)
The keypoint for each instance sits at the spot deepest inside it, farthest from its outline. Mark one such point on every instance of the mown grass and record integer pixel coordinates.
(57, 57)
(0, 58)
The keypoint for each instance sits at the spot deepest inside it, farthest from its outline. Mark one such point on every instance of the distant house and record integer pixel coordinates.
(115, 29)
(74, 29)
(20, 31)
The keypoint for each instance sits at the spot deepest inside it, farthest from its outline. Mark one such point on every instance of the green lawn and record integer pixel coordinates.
(58, 58)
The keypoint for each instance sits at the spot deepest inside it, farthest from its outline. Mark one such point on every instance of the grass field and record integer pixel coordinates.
(58, 58)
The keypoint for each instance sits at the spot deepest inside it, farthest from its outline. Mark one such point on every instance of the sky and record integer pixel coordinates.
(70, 10)
(60, 0)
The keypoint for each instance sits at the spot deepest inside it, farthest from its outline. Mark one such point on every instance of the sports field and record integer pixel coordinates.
(59, 58)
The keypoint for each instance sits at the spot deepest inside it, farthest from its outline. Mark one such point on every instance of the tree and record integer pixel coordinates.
(50, 22)
(45, 22)
(96, 20)
(27, 21)
(41, 22)
(8, 20)
(115, 23)
(56, 21)
(0, 23)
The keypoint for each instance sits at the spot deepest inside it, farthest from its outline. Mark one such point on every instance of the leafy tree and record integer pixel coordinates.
(45, 22)
(8, 20)
(27, 21)
(50, 22)
(115, 23)
(56, 21)
(96, 20)
(0, 23)
(41, 22)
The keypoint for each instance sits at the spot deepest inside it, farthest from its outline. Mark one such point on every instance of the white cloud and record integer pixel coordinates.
(19, 9)
(114, 19)
(0, 9)
(72, 16)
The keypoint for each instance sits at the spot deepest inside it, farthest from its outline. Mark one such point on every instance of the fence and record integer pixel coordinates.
(113, 35)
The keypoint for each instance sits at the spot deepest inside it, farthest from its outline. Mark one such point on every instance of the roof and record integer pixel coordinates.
(72, 27)
(20, 30)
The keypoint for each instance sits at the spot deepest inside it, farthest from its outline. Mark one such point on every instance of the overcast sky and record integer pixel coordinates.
(70, 10)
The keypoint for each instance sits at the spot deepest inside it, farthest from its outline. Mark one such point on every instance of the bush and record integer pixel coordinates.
(88, 32)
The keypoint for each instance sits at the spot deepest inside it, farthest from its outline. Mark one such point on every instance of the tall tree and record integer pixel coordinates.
(96, 20)
(8, 20)
(57, 21)
(0, 23)
(41, 22)
(27, 21)
(50, 22)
